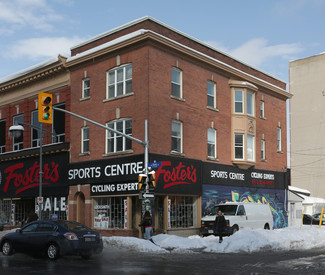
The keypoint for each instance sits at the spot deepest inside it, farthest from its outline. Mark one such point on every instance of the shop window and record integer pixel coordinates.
(2, 136)
(119, 81)
(86, 88)
(18, 142)
(114, 141)
(177, 136)
(176, 83)
(35, 135)
(109, 212)
(181, 211)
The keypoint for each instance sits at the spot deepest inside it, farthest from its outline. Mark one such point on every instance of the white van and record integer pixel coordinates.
(238, 215)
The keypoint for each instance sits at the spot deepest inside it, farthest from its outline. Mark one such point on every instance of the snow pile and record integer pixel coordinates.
(245, 240)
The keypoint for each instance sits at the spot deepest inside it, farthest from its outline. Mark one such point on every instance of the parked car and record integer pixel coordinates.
(308, 219)
(54, 239)
(239, 215)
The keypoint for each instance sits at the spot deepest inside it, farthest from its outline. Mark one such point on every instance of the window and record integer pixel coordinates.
(2, 136)
(58, 126)
(212, 143)
(239, 146)
(279, 148)
(109, 212)
(250, 103)
(176, 136)
(239, 101)
(263, 149)
(262, 109)
(119, 81)
(18, 142)
(85, 88)
(35, 134)
(85, 140)
(250, 148)
(176, 82)
(181, 211)
(115, 142)
(211, 94)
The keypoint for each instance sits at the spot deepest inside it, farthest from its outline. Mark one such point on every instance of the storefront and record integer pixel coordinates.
(19, 188)
(108, 190)
(223, 183)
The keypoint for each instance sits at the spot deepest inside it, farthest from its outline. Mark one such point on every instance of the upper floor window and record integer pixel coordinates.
(177, 136)
(262, 114)
(250, 148)
(212, 94)
(250, 103)
(85, 139)
(239, 101)
(239, 146)
(18, 142)
(176, 82)
(2, 136)
(212, 151)
(85, 88)
(279, 146)
(58, 125)
(35, 134)
(119, 81)
(263, 149)
(116, 142)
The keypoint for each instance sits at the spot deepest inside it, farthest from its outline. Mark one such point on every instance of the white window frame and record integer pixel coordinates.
(250, 110)
(125, 81)
(86, 88)
(238, 102)
(212, 142)
(114, 137)
(263, 157)
(178, 136)
(18, 145)
(250, 148)
(262, 112)
(279, 139)
(177, 82)
(211, 94)
(35, 122)
(239, 146)
(85, 141)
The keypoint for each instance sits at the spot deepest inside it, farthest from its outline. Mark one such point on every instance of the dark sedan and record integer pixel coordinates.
(54, 239)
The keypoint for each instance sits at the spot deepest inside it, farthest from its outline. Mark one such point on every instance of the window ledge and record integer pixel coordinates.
(84, 98)
(280, 152)
(118, 153)
(177, 98)
(177, 154)
(84, 154)
(213, 159)
(212, 109)
(244, 164)
(263, 160)
(117, 97)
(263, 117)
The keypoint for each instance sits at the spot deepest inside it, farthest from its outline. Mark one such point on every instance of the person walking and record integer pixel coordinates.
(146, 225)
(219, 225)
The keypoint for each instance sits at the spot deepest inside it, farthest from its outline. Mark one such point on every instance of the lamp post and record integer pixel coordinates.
(17, 131)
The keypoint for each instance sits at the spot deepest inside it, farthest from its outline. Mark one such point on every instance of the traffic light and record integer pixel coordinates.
(152, 179)
(45, 107)
(142, 181)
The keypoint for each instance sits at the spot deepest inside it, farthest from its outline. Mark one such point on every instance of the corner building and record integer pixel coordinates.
(216, 127)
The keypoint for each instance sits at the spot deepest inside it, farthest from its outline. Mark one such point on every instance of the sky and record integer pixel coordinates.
(264, 34)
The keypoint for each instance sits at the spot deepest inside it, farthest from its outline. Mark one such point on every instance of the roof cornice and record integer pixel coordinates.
(171, 44)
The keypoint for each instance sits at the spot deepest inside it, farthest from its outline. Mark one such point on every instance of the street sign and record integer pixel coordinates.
(154, 165)
(144, 196)
(40, 200)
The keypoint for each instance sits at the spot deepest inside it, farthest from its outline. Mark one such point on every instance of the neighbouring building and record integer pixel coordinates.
(307, 116)
(216, 128)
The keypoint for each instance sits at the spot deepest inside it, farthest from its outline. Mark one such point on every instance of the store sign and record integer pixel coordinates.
(21, 178)
(114, 189)
(229, 175)
(110, 170)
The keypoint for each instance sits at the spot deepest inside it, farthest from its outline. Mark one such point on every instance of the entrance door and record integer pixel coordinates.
(81, 208)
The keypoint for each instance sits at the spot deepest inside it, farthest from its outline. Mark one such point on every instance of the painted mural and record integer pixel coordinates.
(215, 194)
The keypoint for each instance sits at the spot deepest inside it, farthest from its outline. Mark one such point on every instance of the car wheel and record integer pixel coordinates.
(234, 229)
(6, 248)
(266, 226)
(52, 251)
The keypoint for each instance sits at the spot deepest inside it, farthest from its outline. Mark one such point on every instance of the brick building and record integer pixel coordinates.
(216, 127)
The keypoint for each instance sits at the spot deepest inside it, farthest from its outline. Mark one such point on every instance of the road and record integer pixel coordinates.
(122, 261)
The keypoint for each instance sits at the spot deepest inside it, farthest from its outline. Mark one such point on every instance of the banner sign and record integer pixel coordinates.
(20, 178)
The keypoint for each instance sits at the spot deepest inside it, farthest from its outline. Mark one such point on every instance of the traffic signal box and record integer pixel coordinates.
(45, 108)
(147, 179)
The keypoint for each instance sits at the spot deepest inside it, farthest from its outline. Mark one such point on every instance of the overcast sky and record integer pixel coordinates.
(264, 34)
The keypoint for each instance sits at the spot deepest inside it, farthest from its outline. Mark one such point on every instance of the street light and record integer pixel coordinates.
(17, 131)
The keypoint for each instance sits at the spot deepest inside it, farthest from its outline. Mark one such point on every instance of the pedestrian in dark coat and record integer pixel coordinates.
(146, 225)
(220, 225)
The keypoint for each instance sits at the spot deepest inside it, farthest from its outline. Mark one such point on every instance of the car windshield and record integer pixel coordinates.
(73, 226)
(229, 210)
